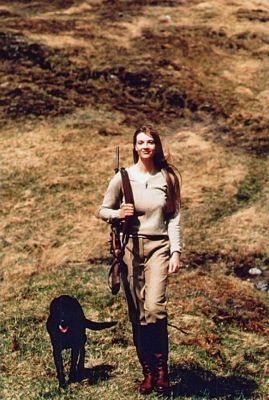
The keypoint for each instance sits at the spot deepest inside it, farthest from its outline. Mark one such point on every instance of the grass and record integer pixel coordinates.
(207, 358)
(248, 189)
(199, 82)
(223, 353)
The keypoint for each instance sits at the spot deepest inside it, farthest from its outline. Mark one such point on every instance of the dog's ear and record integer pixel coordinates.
(52, 305)
(55, 306)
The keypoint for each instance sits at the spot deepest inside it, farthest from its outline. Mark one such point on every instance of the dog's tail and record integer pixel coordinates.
(98, 326)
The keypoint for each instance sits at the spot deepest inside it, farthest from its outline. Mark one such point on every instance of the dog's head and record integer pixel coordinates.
(64, 311)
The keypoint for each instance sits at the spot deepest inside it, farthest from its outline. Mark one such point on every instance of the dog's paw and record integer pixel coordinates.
(73, 378)
(62, 384)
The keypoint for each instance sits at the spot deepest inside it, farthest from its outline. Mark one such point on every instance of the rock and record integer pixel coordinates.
(165, 18)
(254, 271)
(262, 286)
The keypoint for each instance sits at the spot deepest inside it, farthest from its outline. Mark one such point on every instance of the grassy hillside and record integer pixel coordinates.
(76, 79)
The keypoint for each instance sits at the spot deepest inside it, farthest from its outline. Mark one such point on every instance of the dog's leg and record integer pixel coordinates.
(81, 363)
(58, 360)
(74, 363)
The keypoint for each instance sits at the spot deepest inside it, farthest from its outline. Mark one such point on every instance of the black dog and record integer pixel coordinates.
(66, 326)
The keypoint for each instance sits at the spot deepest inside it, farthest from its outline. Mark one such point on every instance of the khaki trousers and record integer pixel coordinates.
(145, 276)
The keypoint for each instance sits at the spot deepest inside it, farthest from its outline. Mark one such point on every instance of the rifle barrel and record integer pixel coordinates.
(117, 159)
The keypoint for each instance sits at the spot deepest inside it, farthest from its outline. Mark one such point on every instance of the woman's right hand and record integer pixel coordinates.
(127, 210)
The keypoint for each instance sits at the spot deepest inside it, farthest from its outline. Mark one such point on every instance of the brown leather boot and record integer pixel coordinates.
(147, 385)
(162, 385)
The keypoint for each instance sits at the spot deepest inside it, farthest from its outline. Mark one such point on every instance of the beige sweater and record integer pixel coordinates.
(150, 199)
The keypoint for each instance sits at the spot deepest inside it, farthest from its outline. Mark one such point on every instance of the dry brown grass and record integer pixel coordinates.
(205, 67)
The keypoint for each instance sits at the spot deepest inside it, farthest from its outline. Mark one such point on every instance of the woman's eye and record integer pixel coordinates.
(151, 142)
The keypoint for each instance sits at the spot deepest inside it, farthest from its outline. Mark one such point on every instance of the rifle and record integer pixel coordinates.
(118, 244)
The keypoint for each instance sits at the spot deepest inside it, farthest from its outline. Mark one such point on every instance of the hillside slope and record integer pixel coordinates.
(76, 79)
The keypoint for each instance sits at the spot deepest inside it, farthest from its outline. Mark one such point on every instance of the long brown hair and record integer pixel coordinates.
(161, 163)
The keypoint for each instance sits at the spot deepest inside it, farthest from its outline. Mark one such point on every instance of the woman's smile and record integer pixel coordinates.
(145, 145)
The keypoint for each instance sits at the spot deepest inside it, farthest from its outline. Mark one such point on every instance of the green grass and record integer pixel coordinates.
(27, 365)
(248, 189)
(56, 167)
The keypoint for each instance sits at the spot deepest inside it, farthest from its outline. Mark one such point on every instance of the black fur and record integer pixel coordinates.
(66, 326)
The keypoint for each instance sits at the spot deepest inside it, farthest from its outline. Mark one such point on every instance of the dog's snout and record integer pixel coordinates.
(63, 322)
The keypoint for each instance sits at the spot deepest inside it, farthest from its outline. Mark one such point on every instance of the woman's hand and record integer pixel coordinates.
(127, 210)
(174, 263)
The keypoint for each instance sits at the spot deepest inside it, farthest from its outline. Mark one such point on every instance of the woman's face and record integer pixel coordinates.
(145, 146)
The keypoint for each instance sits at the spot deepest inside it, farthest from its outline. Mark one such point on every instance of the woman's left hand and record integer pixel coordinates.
(174, 263)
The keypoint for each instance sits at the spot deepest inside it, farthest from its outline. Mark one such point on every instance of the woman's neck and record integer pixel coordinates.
(145, 166)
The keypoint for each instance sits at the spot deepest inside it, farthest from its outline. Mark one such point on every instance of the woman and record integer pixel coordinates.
(152, 252)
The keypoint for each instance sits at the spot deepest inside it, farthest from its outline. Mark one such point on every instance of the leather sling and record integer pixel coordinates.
(129, 198)
(117, 245)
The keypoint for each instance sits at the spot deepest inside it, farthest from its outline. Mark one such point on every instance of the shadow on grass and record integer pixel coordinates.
(198, 382)
(97, 374)
(91, 375)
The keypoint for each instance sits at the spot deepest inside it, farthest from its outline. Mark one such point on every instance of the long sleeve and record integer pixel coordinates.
(149, 200)
(110, 207)
(173, 230)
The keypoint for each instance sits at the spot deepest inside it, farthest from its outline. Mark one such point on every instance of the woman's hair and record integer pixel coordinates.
(161, 163)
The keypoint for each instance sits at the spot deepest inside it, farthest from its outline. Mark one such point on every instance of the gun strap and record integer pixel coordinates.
(129, 198)
(127, 189)
(114, 272)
